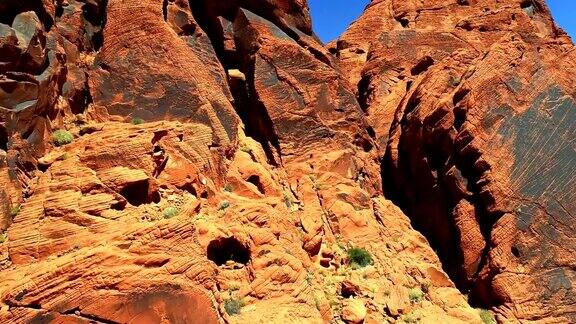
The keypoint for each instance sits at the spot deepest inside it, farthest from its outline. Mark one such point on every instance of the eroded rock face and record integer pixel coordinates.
(474, 101)
(223, 161)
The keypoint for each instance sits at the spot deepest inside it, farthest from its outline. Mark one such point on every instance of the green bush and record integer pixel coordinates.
(137, 121)
(2, 238)
(359, 257)
(170, 212)
(62, 137)
(415, 295)
(233, 306)
(14, 211)
(224, 204)
(487, 316)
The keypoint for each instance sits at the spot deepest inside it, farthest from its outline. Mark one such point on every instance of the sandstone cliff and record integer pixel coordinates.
(212, 161)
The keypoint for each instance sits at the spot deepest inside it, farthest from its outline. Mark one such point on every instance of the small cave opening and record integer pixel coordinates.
(422, 66)
(363, 143)
(80, 99)
(255, 180)
(459, 118)
(347, 290)
(459, 96)
(222, 250)
(3, 138)
(165, 10)
(530, 7)
(403, 21)
(60, 9)
(139, 193)
(365, 90)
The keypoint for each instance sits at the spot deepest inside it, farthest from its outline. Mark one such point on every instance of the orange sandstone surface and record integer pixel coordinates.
(174, 161)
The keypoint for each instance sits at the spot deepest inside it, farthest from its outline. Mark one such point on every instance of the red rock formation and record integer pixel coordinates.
(221, 165)
(475, 102)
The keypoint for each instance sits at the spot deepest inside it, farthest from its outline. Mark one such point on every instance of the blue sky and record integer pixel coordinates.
(331, 17)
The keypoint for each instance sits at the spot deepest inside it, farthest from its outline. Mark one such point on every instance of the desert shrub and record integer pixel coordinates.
(487, 316)
(359, 257)
(14, 211)
(137, 121)
(228, 187)
(410, 318)
(233, 306)
(170, 212)
(3, 238)
(415, 295)
(62, 137)
(223, 205)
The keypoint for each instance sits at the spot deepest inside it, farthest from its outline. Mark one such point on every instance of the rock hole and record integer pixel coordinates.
(98, 40)
(222, 250)
(371, 131)
(412, 104)
(95, 14)
(158, 136)
(255, 180)
(348, 290)
(403, 21)
(139, 193)
(408, 85)
(80, 99)
(364, 92)
(325, 263)
(363, 143)
(60, 10)
(189, 187)
(459, 96)
(422, 66)
(120, 205)
(165, 10)
(3, 138)
(43, 167)
(515, 252)
(459, 117)
(466, 25)
(528, 7)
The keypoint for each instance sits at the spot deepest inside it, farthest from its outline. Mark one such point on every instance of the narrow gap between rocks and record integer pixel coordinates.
(217, 21)
(423, 182)
(3, 138)
(10, 9)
